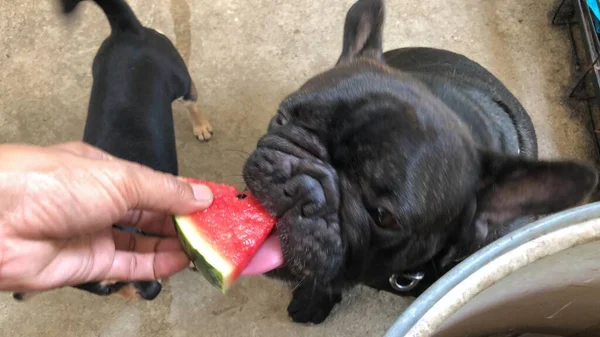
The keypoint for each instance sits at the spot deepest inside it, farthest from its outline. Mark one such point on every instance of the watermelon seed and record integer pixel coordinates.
(241, 196)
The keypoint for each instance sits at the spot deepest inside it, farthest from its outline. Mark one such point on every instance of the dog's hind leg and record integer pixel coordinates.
(147, 290)
(96, 288)
(104, 288)
(202, 128)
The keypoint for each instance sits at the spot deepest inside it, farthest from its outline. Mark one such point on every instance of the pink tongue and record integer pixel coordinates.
(268, 257)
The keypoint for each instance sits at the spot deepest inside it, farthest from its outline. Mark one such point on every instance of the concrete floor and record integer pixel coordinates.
(245, 56)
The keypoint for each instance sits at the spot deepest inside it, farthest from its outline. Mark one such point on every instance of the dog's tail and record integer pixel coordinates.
(120, 16)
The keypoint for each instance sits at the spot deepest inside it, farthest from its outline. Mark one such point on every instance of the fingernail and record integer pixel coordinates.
(202, 193)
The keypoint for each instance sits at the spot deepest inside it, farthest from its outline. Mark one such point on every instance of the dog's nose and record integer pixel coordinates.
(307, 193)
(269, 165)
(284, 181)
(314, 188)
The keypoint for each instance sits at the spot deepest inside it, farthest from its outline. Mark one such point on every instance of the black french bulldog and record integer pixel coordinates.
(390, 167)
(138, 73)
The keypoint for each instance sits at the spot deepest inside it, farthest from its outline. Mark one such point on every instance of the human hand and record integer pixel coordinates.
(58, 205)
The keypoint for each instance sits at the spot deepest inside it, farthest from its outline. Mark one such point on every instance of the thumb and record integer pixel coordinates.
(146, 189)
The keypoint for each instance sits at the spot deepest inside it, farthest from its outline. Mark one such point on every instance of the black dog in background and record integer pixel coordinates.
(391, 167)
(137, 74)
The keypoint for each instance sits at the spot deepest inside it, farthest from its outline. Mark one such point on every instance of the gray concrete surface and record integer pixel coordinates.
(245, 56)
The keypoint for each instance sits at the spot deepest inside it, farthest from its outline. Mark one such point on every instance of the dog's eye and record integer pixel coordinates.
(383, 218)
(280, 120)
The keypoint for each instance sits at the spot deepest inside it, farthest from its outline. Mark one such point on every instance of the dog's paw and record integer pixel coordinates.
(312, 306)
(147, 290)
(203, 131)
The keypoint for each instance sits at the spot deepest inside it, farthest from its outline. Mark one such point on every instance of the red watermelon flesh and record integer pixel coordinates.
(229, 238)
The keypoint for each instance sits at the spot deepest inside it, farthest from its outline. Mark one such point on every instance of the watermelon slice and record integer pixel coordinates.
(224, 239)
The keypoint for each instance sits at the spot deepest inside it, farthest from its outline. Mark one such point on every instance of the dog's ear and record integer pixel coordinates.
(363, 31)
(512, 187)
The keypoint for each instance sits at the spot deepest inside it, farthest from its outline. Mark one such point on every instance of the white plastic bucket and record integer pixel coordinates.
(542, 278)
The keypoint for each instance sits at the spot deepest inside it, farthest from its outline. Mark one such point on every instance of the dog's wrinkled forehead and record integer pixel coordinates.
(312, 105)
(342, 88)
(327, 98)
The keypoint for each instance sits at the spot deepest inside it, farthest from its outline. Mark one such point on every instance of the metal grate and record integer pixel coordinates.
(577, 17)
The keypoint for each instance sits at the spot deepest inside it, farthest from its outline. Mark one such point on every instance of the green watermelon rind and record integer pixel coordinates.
(206, 259)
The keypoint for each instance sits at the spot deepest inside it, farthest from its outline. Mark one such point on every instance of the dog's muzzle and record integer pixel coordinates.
(295, 184)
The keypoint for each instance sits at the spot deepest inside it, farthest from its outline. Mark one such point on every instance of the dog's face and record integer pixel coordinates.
(371, 175)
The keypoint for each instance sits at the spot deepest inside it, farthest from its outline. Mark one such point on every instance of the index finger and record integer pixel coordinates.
(143, 188)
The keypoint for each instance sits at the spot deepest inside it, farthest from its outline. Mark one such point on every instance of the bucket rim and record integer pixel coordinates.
(459, 273)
